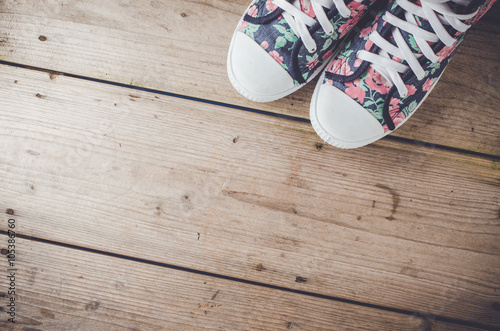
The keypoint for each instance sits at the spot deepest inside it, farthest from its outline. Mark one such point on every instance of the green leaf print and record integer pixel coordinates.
(413, 43)
(410, 108)
(280, 28)
(347, 53)
(311, 58)
(280, 42)
(327, 44)
(251, 29)
(290, 37)
(377, 115)
(434, 67)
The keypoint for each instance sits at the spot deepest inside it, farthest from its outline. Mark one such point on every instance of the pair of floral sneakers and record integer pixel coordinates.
(372, 81)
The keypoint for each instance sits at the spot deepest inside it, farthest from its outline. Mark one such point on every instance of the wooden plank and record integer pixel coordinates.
(65, 289)
(249, 196)
(181, 47)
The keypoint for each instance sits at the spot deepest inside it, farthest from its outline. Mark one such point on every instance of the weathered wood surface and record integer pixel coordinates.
(179, 48)
(186, 183)
(68, 289)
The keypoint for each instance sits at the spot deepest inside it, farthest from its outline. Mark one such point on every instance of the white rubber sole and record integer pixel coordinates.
(323, 134)
(266, 98)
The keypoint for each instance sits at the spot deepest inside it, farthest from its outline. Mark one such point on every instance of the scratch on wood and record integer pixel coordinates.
(215, 295)
(260, 267)
(209, 305)
(395, 200)
(259, 200)
(30, 152)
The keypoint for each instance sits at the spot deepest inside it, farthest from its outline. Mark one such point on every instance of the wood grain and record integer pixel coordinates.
(66, 289)
(181, 48)
(249, 196)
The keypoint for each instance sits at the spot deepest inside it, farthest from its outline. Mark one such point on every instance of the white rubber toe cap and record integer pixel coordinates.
(341, 121)
(254, 73)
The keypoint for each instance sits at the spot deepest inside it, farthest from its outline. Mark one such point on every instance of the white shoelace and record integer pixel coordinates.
(437, 12)
(300, 21)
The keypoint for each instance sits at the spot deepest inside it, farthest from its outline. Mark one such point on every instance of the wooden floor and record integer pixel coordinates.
(147, 194)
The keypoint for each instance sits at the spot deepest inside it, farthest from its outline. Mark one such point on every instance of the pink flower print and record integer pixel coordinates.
(428, 84)
(356, 5)
(397, 59)
(396, 115)
(357, 63)
(446, 51)
(365, 32)
(253, 11)
(398, 119)
(356, 8)
(276, 56)
(270, 6)
(376, 82)
(411, 89)
(312, 63)
(264, 44)
(355, 91)
(243, 25)
(394, 105)
(368, 45)
(306, 7)
(344, 27)
(327, 55)
(340, 67)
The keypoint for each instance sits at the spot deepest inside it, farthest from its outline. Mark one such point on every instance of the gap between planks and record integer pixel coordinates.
(400, 139)
(391, 318)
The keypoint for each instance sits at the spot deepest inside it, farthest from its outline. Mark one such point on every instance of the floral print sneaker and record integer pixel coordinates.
(280, 45)
(386, 71)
